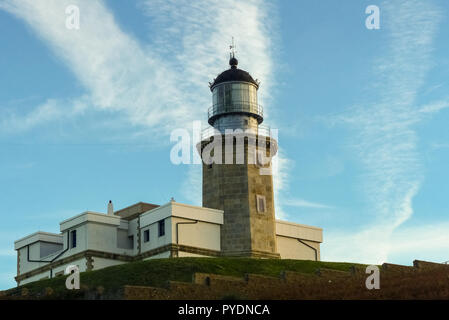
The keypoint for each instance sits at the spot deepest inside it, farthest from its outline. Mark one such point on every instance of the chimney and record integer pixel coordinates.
(110, 208)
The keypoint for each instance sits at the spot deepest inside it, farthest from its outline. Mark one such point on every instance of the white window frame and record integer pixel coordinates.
(262, 198)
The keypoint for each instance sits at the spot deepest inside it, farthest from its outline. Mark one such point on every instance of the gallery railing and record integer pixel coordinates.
(260, 130)
(254, 109)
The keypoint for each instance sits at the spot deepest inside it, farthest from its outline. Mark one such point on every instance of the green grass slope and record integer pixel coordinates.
(157, 272)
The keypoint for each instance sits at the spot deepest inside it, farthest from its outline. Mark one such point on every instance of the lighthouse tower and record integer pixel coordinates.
(238, 181)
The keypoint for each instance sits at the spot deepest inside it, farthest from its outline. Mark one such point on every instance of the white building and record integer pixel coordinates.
(93, 240)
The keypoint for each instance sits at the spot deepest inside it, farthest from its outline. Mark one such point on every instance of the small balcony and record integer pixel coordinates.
(260, 130)
(248, 108)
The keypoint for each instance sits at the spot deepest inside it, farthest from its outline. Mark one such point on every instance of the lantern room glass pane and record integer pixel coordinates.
(228, 96)
(220, 100)
(214, 97)
(245, 95)
(234, 97)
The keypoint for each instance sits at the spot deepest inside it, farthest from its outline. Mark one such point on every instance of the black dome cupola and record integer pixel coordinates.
(233, 74)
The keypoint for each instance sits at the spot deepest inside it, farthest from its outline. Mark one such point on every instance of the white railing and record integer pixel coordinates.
(261, 130)
(243, 107)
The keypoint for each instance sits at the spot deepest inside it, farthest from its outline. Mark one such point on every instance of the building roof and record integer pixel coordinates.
(299, 231)
(233, 74)
(184, 211)
(89, 216)
(133, 211)
(38, 236)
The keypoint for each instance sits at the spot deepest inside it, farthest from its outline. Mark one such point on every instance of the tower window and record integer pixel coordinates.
(146, 235)
(261, 203)
(161, 226)
(73, 239)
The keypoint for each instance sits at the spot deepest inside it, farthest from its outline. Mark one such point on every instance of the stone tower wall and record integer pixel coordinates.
(233, 188)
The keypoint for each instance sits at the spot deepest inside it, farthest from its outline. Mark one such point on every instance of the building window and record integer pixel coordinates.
(146, 235)
(161, 228)
(73, 239)
(261, 203)
(131, 242)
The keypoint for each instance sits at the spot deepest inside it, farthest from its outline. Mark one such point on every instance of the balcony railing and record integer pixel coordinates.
(261, 130)
(235, 107)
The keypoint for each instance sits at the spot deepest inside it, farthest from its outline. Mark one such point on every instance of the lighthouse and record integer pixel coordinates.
(239, 180)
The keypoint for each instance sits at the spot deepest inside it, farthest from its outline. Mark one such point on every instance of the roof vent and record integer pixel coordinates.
(110, 208)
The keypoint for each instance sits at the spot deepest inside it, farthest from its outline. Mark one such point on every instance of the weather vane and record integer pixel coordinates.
(232, 48)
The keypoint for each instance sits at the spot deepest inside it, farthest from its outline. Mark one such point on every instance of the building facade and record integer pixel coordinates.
(237, 218)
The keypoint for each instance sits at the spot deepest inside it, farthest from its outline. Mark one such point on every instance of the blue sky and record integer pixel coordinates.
(86, 115)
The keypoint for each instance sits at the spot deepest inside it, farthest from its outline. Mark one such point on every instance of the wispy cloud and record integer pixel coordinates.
(424, 242)
(192, 185)
(159, 85)
(301, 203)
(281, 179)
(51, 110)
(434, 107)
(428, 241)
(7, 252)
(386, 140)
(118, 73)
(437, 146)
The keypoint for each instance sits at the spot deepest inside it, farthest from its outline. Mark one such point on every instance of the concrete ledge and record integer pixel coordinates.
(424, 265)
(85, 254)
(389, 267)
(90, 216)
(89, 254)
(251, 254)
(36, 237)
(174, 209)
(299, 231)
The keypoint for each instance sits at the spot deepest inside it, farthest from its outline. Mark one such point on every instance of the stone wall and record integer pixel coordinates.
(217, 287)
(423, 281)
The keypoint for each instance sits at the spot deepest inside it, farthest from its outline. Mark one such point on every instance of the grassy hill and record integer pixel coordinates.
(158, 272)
(172, 279)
